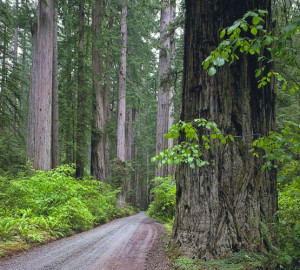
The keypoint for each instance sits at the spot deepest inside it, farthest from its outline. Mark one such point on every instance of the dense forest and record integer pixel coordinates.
(190, 109)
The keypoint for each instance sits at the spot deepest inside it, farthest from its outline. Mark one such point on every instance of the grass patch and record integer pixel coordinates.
(237, 261)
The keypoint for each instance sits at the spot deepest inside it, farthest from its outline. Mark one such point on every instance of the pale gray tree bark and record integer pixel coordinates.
(220, 206)
(121, 140)
(43, 108)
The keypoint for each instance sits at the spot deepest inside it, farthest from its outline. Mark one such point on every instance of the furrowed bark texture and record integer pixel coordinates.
(55, 122)
(121, 149)
(98, 168)
(81, 99)
(220, 206)
(32, 93)
(43, 109)
(163, 90)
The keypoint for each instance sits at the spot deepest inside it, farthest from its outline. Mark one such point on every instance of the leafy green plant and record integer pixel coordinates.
(163, 196)
(41, 206)
(248, 36)
(191, 149)
(7, 227)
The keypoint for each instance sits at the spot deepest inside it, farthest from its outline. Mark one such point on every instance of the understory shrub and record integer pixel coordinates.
(163, 196)
(41, 206)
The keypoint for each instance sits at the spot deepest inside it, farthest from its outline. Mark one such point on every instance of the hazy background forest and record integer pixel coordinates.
(78, 138)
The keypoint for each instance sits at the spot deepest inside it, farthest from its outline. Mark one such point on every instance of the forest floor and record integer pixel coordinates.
(132, 243)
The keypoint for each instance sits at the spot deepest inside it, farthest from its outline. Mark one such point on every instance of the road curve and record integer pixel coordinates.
(121, 244)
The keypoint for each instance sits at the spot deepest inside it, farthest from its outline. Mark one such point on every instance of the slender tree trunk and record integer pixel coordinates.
(43, 112)
(220, 206)
(121, 148)
(107, 96)
(98, 168)
(55, 120)
(171, 168)
(163, 90)
(82, 99)
(3, 68)
(16, 34)
(32, 94)
(131, 152)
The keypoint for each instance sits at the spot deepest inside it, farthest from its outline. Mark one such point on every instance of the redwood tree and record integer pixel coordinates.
(163, 89)
(121, 149)
(98, 168)
(43, 104)
(220, 206)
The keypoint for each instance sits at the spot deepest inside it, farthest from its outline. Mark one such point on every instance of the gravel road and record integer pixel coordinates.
(122, 244)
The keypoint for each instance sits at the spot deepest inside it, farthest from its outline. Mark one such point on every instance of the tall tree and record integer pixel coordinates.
(163, 114)
(98, 168)
(55, 120)
(81, 98)
(220, 206)
(32, 94)
(121, 147)
(43, 108)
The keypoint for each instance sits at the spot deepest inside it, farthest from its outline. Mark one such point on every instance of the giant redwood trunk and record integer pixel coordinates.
(98, 168)
(220, 206)
(163, 89)
(43, 103)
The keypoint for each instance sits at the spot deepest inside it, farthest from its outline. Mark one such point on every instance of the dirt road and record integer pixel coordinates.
(129, 243)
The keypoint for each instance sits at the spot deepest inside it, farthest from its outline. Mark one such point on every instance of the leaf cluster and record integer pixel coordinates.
(190, 149)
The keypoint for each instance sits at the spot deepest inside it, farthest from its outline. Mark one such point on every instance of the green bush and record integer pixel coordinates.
(39, 206)
(75, 213)
(288, 228)
(163, 196)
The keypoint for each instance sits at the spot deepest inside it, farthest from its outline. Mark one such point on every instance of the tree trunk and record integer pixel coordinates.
(107, 96)
(32, 94)
(131, 152)
(55, 120)
(220, 206)
(98, 168)
(121, 149)
(3, 68)
(16, 34)
(171, 168)
(163, 90)
(43, 112)
(82, 99)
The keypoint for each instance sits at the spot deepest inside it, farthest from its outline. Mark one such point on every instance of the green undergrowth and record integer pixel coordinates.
(37, 207)
(163, 199)
(237, 261)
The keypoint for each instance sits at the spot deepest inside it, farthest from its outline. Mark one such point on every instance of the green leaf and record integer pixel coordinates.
(253, 31)
(258, 72)
(205, 64)
(223, 32)
(262, 12)
(219, 61)
(212, 71)
(255, 20)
